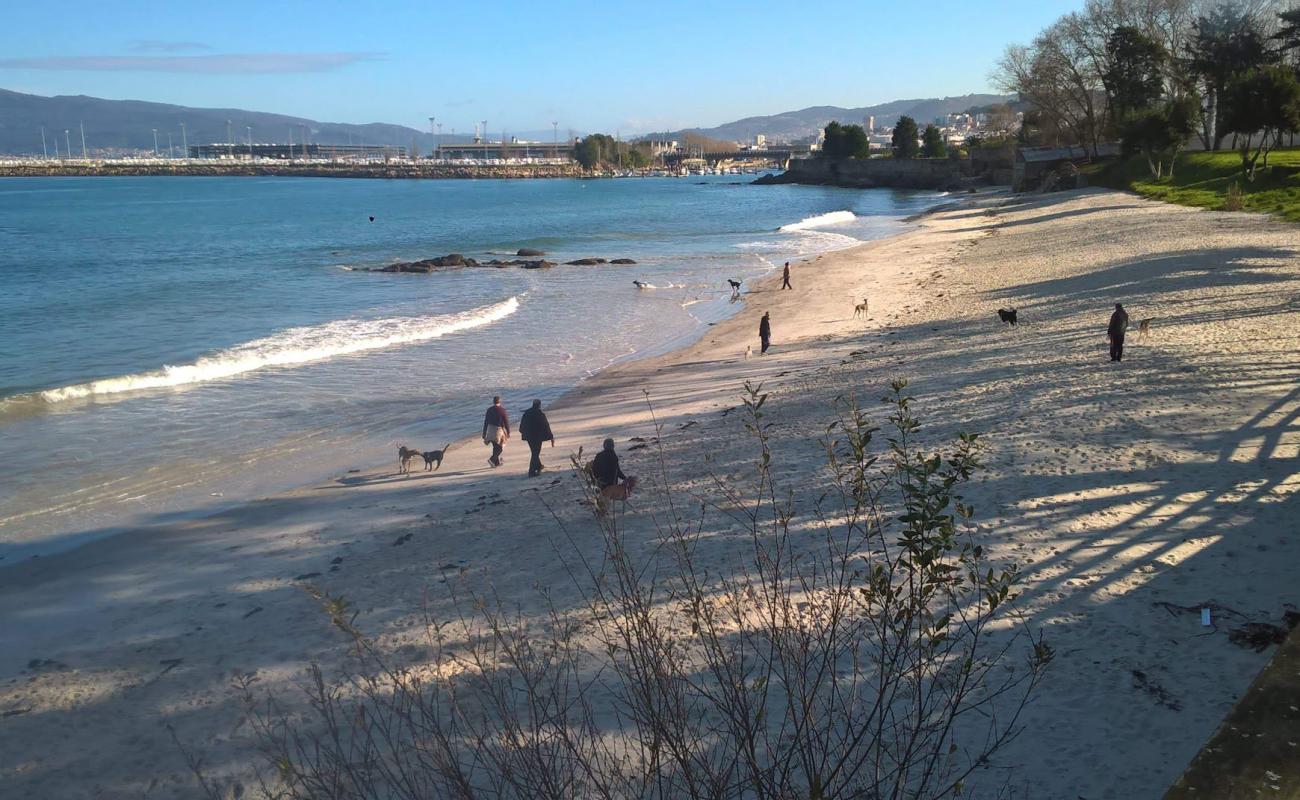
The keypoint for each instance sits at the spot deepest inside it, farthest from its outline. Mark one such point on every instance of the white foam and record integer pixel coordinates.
(292, 347)
(819, 221)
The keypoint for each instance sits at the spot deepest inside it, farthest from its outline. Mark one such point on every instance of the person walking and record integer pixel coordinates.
(785, 277)
(765, 332)
(1115, 332)
(496, 430)
(535, 429)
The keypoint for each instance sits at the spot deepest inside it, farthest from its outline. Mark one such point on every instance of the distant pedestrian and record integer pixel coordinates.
(1115, 332)
(765, 332)
(785, 277)
(496, 430)
(609, 477)
(535, 429)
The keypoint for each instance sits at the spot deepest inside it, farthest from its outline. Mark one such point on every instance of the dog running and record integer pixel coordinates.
(433, 458)
(1007, 315)
(405, 456)
(735, 286)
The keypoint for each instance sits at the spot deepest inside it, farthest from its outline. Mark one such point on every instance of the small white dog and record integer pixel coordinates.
(749, 350)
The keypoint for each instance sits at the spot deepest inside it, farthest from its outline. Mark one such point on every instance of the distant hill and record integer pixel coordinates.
(120, 125)
(115, 126)
(793, 125)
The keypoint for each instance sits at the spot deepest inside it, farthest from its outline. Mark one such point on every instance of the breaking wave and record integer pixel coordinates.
(290, 347)
(819, 221)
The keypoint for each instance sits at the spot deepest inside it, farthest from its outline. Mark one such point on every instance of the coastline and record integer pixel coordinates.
(1118, 487)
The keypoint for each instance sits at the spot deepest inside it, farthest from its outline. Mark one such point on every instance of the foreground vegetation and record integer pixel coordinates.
(1213, 180)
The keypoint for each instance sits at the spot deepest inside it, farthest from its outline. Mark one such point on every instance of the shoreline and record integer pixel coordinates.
(24, 553)
(1124, 490)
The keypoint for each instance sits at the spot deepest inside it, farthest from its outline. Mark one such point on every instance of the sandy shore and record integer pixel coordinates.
(1165, 479)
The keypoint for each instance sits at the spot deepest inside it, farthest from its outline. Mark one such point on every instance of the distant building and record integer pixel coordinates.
(497, 151)
(285, 152)
(871, 124)
(760, 141)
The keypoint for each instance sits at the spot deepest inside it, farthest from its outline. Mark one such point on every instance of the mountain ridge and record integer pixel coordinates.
(127, 125)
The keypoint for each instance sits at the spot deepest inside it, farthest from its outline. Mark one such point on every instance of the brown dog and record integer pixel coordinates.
(405, 456)
(1144, 327)
(860, 310)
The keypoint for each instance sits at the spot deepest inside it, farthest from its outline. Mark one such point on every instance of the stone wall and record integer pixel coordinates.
(903, 173)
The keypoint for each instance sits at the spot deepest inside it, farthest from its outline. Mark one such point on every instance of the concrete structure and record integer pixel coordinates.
(285, 152)
(499, 151)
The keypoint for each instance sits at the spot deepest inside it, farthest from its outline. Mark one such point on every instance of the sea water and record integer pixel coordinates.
(172, 344)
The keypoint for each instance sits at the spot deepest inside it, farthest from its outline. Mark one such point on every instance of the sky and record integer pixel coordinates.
(590, 66)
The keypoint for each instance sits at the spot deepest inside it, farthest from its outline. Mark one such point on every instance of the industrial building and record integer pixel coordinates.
(499, 151)
(285, 152)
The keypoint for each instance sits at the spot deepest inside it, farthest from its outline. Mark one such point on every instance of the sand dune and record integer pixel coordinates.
(1127, 491)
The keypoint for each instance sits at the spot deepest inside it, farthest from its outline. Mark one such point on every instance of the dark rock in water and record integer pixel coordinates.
(585, 262)
(622, 261)
(528, 251)
(449, 260)
(538, 264)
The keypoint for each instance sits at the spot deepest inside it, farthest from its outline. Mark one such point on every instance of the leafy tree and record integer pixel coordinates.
(1266, 102)
(904, 141)
(845, 141)
(1160, 132)
(1134, 77)
(594, 150)
(1226, 43)
(1288, 34)
(933, 144)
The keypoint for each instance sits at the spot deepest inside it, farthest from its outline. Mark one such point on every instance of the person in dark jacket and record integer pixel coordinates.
(496, 430)
(1115, 332)
(535, 429)
(765, 332)
(785, 277)
(610, 480)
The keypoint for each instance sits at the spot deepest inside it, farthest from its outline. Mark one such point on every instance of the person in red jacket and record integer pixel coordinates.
(496, 430)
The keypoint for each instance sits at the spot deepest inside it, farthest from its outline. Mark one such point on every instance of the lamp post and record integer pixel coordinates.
(82, 125)
(230, 142)
(555, 140)
(155, 142)
(45, 150)
(485, 155)
(250, 141)
(67, 141)
(434, 135)
(185, 142)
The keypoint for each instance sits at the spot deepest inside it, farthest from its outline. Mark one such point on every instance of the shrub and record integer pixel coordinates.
(851, 657)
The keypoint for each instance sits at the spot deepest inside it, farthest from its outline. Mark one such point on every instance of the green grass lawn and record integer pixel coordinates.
(1203, 179)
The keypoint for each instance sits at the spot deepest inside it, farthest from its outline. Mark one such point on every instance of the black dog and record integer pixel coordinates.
(1007, 316)
(433, 458)
(735, 285)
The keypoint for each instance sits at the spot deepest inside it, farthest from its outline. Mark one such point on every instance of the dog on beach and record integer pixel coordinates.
(860, 310)
(735, 286)
(641, 284)
(405, 456)
(1144, 327)
(433, 458)
(1007, 315)
(749, 351)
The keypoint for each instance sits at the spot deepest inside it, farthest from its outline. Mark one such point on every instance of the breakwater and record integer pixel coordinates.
(945, 174)
(391, 170)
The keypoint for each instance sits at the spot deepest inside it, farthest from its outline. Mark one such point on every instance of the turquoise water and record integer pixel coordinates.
(170, 344)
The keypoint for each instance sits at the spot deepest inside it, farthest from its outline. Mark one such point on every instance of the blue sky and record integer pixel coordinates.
(608, 66)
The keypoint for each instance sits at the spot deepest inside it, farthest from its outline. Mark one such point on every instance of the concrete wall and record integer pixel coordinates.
(905, 173)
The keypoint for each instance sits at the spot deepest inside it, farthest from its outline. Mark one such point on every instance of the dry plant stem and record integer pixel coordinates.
(847, 656)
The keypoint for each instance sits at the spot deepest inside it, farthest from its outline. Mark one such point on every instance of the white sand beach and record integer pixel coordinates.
(1167, 478)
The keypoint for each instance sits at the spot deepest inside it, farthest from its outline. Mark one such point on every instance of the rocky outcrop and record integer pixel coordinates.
(949, 174)
(529, 252)
(458, 261)
(586, 262)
